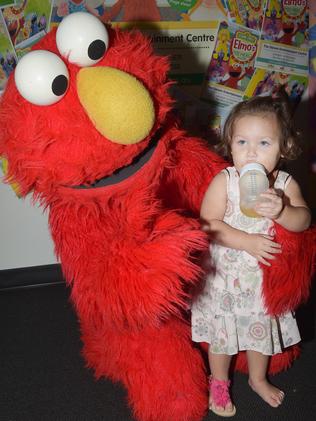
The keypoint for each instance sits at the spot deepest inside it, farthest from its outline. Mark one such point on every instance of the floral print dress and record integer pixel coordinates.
(229, 314)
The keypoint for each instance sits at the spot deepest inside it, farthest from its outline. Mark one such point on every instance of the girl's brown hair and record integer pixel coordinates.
(262, 105)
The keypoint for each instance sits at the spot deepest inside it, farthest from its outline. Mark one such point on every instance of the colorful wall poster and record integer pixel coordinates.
(164, 10)
(62, 8)
(8, 58)
(142, 10)
(231, 68)
(266, 82)
(232, 64)
(197, 10)
(27, 21)
(282, 57)
(286, 22)
(247, 13)
(119, 10)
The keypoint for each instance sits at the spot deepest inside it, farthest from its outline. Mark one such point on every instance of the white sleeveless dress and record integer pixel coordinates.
(229, 314)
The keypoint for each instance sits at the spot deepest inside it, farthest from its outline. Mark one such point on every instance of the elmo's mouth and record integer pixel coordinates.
(123, 173)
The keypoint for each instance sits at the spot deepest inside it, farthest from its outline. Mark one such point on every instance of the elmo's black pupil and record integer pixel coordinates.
(59, 85)
(96, 49)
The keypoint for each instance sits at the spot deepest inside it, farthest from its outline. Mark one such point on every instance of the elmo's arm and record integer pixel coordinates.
(287, 281)
(195, 166)
(286, 285)
(131, 270)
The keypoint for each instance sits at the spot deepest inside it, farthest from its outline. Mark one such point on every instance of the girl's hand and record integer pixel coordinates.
(262, 247)
(270, 204)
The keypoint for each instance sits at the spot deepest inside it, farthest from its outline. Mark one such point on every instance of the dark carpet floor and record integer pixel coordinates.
(43, 378)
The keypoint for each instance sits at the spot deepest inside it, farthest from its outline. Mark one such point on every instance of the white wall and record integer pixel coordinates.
(24, 235)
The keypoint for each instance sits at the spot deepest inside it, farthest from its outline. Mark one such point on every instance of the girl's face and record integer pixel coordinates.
(256, 138)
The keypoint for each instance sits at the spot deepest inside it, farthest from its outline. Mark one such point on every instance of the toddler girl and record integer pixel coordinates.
(229, 314)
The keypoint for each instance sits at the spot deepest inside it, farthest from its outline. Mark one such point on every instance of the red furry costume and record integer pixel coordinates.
(128, 248)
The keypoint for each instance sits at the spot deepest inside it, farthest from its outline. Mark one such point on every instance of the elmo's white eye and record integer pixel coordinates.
(41, 77)
(82, 39)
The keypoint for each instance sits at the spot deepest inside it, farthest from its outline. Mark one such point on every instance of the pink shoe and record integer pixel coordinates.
(219, 397)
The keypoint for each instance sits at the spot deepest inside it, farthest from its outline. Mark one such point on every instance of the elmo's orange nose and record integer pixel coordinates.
(119, 106)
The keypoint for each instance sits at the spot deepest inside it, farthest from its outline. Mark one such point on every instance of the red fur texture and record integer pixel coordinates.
(129, 251)
(287, 281)
(286, 285)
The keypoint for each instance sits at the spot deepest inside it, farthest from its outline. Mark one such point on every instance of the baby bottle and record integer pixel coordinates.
(253, 181)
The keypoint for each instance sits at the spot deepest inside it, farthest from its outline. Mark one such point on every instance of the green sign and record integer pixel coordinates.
(182, 5)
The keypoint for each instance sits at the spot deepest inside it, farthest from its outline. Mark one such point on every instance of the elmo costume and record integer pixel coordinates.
(85, 126)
